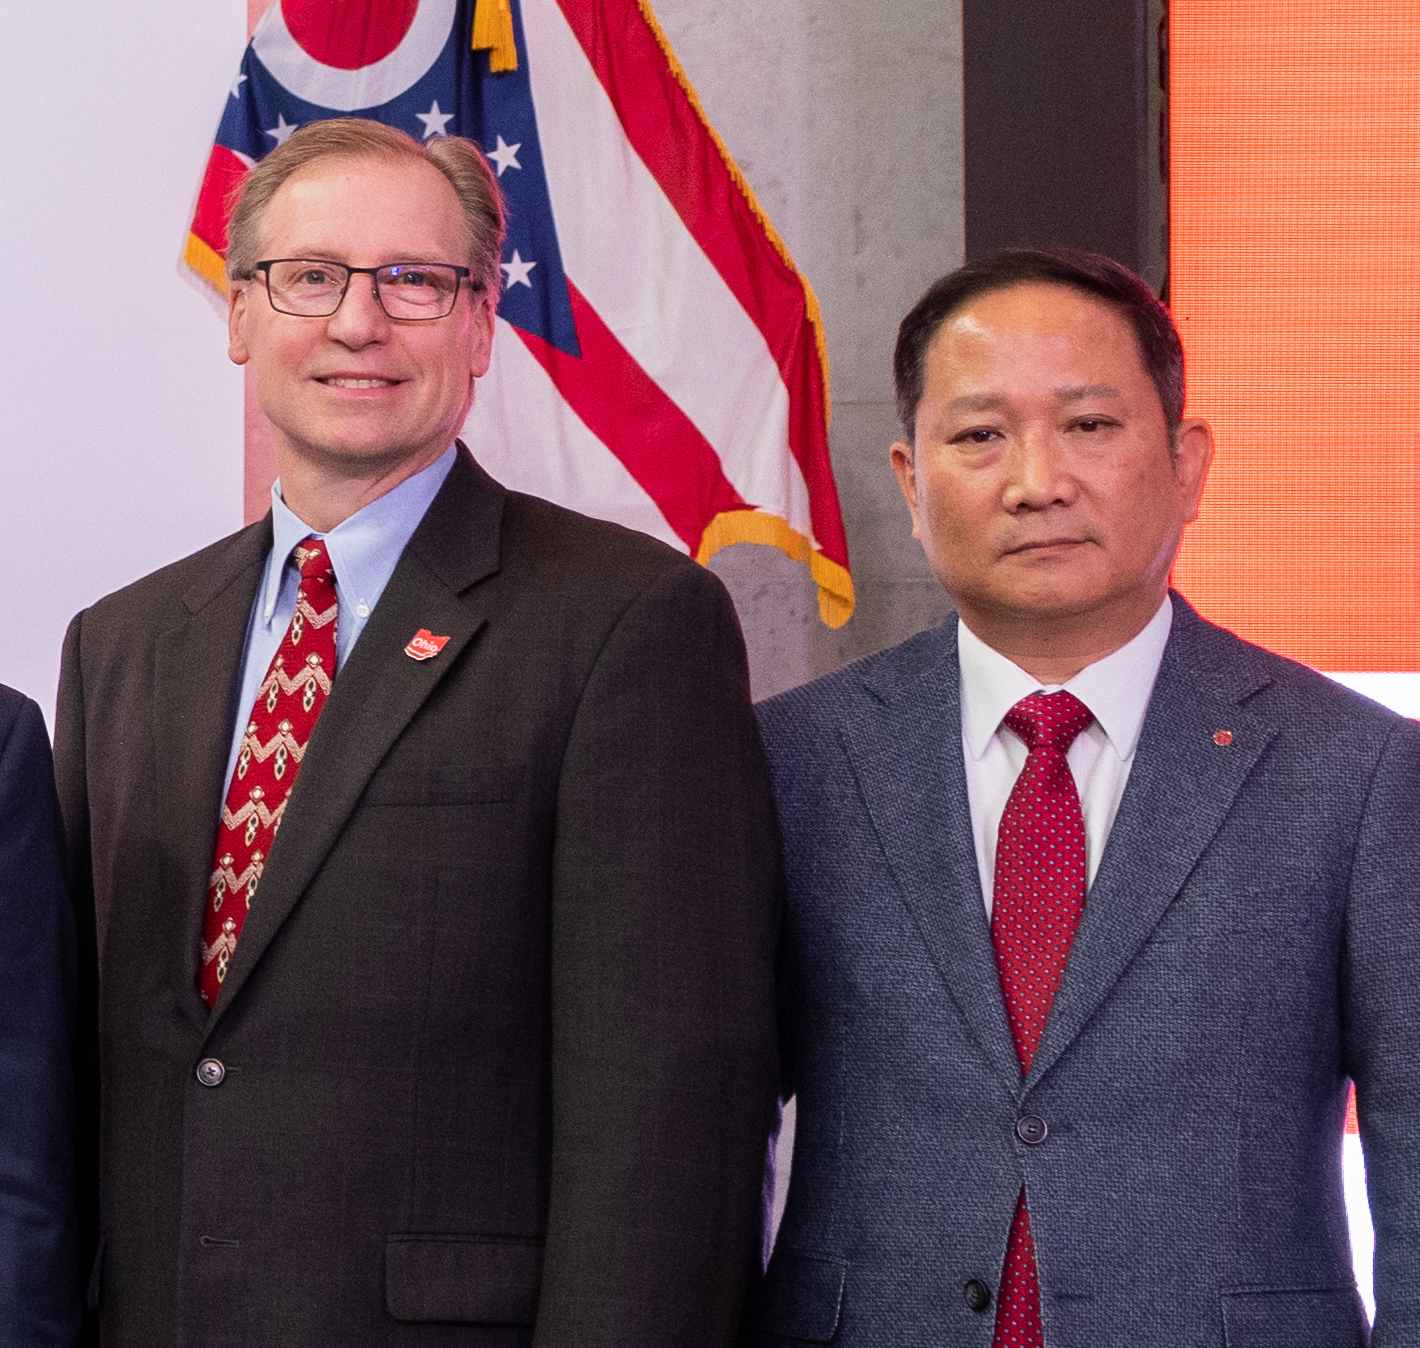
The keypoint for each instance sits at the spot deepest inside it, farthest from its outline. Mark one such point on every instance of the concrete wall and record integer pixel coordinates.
(847, 121)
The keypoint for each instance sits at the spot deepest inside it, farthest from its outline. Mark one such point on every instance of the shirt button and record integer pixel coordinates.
(1031, 1129)
(362, 609)
(210, 1072)
(978, 1295)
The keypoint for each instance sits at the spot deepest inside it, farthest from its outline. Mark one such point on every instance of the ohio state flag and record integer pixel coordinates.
(659, 359)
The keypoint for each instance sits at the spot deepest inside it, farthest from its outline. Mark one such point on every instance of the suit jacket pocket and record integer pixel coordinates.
(1322, 1317)
(444, 784)
(481, 1280)
(802, 1296)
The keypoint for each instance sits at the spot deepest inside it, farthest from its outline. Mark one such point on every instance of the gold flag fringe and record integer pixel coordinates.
(493, 33)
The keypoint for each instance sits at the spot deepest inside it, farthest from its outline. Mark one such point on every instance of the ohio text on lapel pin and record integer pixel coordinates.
(424, 645)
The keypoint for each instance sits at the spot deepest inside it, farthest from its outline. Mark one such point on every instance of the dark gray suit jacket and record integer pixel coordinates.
(498, 1037)
(1251, 940)
(39, 1290)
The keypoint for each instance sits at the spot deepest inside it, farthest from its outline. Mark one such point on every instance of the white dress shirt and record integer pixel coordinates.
(1116, 689)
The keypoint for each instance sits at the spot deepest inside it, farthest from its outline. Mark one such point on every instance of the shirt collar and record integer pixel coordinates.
(364, 548)
(1116, 689)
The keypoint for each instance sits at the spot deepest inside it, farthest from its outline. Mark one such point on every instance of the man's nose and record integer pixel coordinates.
(1038, 475)
(360, 319)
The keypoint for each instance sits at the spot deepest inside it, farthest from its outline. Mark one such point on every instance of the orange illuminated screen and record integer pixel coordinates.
(1295, 281)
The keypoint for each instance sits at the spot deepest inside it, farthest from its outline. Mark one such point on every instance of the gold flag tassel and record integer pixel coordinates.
(493, 33)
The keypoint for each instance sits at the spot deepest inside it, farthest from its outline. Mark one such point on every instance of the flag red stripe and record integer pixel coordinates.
(631, 415)
(209, 221)
(668, 134)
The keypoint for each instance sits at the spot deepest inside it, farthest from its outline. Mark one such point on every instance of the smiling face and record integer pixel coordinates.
(1040, 480)
(359, 395)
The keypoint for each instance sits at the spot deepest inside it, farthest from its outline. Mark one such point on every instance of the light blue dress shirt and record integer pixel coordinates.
(363, 549)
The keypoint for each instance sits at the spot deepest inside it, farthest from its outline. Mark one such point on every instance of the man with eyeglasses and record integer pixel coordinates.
(431, 845)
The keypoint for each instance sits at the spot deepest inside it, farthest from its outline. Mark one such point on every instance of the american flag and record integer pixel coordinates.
(659, 359)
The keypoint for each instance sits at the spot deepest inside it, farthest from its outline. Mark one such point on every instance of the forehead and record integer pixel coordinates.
(1035, 331)
(364, 211)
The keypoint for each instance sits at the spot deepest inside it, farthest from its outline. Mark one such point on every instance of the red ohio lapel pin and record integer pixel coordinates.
(424, 645)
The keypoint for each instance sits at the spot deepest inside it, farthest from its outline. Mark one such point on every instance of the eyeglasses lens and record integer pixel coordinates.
(315, 289)
(417, 292)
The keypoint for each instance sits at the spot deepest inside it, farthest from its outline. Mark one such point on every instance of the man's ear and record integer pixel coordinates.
(904, 464)
(485, 310)
(1192, 458)
(237, 350)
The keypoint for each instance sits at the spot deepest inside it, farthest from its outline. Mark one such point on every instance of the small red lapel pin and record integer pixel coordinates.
(1222, 738)
(424, 645)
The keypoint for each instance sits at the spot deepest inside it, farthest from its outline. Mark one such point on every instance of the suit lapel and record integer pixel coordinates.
(377, 694)
(907, 758)
(197, 666)
(1180, 790)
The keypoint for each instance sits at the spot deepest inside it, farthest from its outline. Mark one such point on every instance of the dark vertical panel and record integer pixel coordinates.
(1062, 127)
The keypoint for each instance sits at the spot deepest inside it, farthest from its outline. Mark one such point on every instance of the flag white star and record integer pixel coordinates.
(518, 271)
(237, 85)
(283, 129)
(505, 156)
(435, 121)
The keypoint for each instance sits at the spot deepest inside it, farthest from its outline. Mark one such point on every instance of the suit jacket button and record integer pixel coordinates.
(978, 1295)
(210, 1072)
(1031, 1129)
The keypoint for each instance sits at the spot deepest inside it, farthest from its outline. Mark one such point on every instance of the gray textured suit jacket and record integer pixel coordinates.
(498, 1037)
(1252, 938)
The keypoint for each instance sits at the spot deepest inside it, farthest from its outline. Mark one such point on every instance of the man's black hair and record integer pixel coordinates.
(1090, 273)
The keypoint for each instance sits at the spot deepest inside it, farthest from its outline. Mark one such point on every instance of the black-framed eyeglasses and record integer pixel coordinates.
(409, 291)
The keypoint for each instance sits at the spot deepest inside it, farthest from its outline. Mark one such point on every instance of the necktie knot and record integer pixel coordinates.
(1049, 720)
(313, 559)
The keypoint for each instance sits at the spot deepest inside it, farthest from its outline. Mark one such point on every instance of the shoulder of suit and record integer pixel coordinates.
(22, 728)
(563, 545)
(871, 680)
(208, 569)
(1291, 690)
(12, 703)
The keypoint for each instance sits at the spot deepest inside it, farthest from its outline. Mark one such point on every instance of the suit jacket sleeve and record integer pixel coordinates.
(1381, 1018)
(38, 1283)
(665, 906)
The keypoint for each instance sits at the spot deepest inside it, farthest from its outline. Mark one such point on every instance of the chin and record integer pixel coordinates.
(1050, 593)
(1054, 604)
(359, 443)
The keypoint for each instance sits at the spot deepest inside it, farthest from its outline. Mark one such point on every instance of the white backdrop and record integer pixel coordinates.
(121, 446)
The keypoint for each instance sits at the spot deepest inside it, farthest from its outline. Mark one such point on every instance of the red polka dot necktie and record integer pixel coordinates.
(1035, 908)
(277, 732)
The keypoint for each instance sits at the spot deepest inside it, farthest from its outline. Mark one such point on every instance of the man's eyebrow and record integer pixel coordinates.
(1075, 392)
(328, 255)
(977, 402)
(990, 402)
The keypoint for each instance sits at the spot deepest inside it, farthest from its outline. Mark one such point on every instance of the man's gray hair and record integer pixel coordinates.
(459, 160)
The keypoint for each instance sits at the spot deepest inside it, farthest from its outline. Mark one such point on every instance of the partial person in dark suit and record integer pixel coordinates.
(39, 1297)
(1093, 908)
(478, 1049)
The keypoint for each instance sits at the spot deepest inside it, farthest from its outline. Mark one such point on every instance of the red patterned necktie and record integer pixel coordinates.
(1039, 894)
(278, 729)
